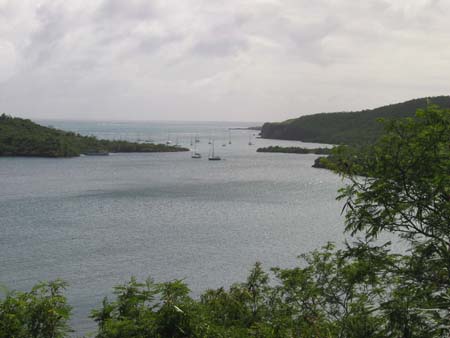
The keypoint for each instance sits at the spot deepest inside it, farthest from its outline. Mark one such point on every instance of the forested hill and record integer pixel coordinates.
(346, 127)
(20, 137)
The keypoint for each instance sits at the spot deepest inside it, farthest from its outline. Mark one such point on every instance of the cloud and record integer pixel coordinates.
(9, 60)
(223, 39)
(126, 10)
(259, 59)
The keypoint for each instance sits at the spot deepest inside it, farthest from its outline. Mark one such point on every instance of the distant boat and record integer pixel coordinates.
(250, 140)
(229, 136)
(196, 154)
(168, 139)
(212, 156)
(224, 144)
(197, 139)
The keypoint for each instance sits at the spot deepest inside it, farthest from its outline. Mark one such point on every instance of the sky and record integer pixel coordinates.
(215, 60)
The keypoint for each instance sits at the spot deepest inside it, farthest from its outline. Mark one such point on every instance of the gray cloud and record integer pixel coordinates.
(126, 10)
(45, 40)
(216, 60)
(224, 39)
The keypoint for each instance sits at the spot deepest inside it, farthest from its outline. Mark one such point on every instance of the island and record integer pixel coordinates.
(295, 150)
(23, 137)
(245, 128)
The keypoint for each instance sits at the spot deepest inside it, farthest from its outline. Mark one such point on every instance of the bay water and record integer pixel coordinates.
(95, 221)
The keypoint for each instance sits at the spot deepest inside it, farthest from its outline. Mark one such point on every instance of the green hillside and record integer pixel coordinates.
(20, 137)
(346, 127)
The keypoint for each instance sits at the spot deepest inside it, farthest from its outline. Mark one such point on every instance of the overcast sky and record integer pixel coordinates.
(249, 60)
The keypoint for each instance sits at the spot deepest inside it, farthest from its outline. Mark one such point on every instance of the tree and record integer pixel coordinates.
(404, 189)
(41, 313)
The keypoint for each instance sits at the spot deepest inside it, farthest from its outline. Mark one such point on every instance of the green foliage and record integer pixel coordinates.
(352, 128)
(41, 313)
(149, 310)
(345, 159)
(405, 190)
(334, 294)
(19, 137)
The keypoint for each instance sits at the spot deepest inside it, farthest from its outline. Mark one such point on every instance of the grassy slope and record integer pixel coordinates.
(20, 137)
(346, 127)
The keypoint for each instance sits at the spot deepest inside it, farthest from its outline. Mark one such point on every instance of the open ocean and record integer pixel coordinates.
(97, 221)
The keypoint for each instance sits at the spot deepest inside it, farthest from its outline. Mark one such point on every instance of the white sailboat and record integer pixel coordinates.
(250, 140)
(196, 154)
(212, 156)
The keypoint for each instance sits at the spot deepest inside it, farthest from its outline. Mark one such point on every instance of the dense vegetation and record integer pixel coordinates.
(362, 290)
(346, 127)
(294, 150)
(20, 137)
(41, 313)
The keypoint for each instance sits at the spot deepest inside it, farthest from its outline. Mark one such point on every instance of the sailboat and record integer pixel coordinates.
(168, 139)
(229, 136)
(250, 140)
(196, 154)
(213, 157)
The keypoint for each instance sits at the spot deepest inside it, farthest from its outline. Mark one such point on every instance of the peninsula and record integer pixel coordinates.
(350, 128)
(22, 137)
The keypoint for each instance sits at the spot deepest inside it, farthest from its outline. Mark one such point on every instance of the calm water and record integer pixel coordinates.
(96, 221)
